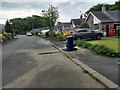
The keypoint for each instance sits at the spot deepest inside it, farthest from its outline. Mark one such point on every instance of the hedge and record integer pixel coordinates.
(98, 49)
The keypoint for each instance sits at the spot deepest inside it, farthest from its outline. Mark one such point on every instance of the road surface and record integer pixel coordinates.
(31, 62)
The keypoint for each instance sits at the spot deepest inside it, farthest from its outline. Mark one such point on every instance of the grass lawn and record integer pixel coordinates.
(110, 42)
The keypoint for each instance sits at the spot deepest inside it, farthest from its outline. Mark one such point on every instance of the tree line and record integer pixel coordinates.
(109, 7)
(21, 25)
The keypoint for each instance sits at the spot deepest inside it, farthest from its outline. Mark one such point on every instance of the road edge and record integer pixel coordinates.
(91, 71)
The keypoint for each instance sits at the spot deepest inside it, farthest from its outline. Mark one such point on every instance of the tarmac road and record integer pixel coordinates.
(31, 62)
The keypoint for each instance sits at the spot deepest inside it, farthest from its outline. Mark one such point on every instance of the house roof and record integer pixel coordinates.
(77, 21)
(59, 26)
(67, 24)
(107, 16)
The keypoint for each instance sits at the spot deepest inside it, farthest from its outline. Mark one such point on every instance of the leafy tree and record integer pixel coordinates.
(52, 14)
(98, 7)
(84, 25)
(7, 27)
(116, 6)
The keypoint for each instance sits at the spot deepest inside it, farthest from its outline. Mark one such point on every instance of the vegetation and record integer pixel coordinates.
(98, 7)
(7, 27)
(111, 42)
(52, 14)
(98, 48)
(84, 25)
(23, 25)
(5, 37)
(67, 33)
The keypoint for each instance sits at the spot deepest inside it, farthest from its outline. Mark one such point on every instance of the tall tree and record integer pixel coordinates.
(52, 14)
(7, 27)
(98, 7)
(116, 6)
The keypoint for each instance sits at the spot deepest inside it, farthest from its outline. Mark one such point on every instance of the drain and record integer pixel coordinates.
(47, 53)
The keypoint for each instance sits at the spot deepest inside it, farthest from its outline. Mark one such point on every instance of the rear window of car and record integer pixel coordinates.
(82, 30)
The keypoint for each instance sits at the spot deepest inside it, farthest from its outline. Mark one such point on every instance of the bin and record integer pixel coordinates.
(69, 43)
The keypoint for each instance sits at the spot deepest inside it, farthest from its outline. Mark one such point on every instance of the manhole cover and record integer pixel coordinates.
(47, 53)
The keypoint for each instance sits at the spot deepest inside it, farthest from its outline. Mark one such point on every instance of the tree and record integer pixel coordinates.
(52, 14)
(98, 7)
(116, 6)
(7, 27)
(84, 25)
(109, 7)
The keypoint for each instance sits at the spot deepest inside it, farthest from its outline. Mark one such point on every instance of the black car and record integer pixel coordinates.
(87, 33)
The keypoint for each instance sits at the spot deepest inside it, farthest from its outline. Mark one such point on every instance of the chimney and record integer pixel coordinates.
(81, 16)
(103, 8)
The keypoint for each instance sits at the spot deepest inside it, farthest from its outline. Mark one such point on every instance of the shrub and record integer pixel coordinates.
(98, 49)
(67, 33)
(80, 43)
(8, 36)
(87, 45)
(57, 33)
(60, 38)
(84, 25)
(3, 39)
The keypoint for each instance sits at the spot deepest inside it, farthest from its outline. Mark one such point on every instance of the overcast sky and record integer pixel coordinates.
(68, 9)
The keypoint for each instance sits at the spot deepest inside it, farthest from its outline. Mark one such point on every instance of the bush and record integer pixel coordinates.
(67, 33)
(84, 25)
(60, 38)
(8, 36)
(58, 33)
(98, 49)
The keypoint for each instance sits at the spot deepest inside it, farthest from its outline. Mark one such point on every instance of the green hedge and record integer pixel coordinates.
(60, 38)
(98, 49)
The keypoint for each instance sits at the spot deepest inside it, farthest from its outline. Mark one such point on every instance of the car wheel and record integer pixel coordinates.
(98, 37)
(79, 38)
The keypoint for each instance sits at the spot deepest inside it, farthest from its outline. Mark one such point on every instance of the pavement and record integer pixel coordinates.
(31, 62)
(105, 66)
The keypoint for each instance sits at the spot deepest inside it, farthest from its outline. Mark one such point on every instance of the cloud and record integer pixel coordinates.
(60, 0)
(68, 9)
(23, 5)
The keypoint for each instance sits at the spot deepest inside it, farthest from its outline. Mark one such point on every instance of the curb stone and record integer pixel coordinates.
(94, 73)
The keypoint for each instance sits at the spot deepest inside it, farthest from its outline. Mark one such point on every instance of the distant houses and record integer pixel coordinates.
(75, 23)
(69, 26)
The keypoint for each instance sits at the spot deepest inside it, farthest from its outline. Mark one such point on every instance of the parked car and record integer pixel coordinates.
(87, 33)
(43, 32)
(28, 34)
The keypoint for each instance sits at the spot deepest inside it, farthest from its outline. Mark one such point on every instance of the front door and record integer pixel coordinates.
(107, 30)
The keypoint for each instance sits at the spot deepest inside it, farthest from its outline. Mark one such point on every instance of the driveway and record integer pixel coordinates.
(31, 62)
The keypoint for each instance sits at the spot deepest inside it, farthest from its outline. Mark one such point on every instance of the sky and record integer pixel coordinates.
(68, 9)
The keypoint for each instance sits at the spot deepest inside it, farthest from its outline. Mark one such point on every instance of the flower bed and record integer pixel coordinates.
(5, 37)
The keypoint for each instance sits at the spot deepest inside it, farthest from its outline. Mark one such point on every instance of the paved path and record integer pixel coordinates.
(108, 67)
(31, 62)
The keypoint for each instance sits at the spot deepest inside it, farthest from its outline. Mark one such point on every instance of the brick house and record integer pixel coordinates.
(104, 20)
